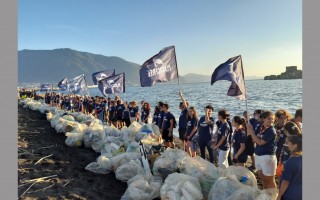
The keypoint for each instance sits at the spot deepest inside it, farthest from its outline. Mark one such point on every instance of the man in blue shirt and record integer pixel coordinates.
(167, 127)
(183, 106)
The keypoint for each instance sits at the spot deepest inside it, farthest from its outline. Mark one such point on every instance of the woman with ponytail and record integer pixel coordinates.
(266, 161)
(223, 143)
(291, 179)
(239, 142)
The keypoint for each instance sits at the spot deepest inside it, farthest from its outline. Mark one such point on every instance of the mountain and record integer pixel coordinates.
(47, 66)
(53, 65)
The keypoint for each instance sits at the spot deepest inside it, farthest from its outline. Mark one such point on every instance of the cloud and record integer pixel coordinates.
(62, 27)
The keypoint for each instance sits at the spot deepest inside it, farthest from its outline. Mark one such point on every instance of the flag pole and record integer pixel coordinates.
(246, 92)
(86, 85)
(175, 57)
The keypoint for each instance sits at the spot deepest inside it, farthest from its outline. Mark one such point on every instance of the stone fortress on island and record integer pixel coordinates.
(291, 73)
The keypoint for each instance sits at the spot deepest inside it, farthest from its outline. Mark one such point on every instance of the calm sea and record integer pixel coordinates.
(262, 94)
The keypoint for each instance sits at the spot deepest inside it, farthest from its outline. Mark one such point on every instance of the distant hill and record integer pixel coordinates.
(53, 65)
(47, 66)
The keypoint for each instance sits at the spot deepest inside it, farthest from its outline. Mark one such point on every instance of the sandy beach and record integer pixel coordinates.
(65, 165)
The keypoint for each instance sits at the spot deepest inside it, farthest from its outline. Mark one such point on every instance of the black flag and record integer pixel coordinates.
(112, 84)
(162, 67)
(45, 86)
(63, 84)
(231, 70)
(77, 84)
(97, 76)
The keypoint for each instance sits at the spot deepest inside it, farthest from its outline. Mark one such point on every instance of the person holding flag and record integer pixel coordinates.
(167, 127)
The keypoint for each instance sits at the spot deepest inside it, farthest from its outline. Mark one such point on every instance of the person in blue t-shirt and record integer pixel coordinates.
(191, 130)
(160, 115)
(239, 142)
(145, 114)
(126, 114)
(291, 179)
(155, 115)
(282, 116)
(183, 106)
(119, 114)
(167, 127)
(112, 114)
(264, 137)
(223, 143)
(205, 128)
(134, 112)
(250, 145)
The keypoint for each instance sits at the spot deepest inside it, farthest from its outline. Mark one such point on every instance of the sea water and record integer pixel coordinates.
(262, 94)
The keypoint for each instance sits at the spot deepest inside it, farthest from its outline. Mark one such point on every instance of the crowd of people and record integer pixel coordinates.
(273, 141)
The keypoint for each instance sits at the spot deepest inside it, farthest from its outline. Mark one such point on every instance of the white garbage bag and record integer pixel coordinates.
(139, 188)
(129, 170)
(243, 174)
(178, 186)
(224, 187)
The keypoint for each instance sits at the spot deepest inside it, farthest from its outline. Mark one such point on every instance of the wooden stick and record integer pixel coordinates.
(43, 189)
(46, 147)
(43, 158)
(37, 179)
(66, 184)
(28, 189)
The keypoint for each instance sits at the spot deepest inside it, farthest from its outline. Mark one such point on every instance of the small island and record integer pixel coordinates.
(291, 73)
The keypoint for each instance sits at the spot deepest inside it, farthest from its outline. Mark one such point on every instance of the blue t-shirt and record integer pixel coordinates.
(133, 111)
(281, 138)
(183, 118)
(166, 121)
(268, 136)
(112, 111)
(126, 113)
(238, 137)
(192, 122)
(155, 118)
(224, 130)
(204, 129)
(160, 118)
(254, 123)
(292, 172)
(119, 111)
(145, 114)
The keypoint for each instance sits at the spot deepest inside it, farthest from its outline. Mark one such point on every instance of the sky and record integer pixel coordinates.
(206, 33)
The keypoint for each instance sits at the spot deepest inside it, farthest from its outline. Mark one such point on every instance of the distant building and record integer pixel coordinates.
(291, 72)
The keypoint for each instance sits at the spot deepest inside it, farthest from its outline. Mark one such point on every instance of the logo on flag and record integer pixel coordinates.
(45, 87)
(77, 84)
(112, 84)
(231, 70)
(162, 67)
(63, 84)
(97, 76)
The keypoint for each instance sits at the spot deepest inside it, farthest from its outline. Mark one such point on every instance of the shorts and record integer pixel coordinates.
(182, 131)
(249, 147)
(242, 158)
(165, 136)
(113, 119)
(223, 159)
(266, 163)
